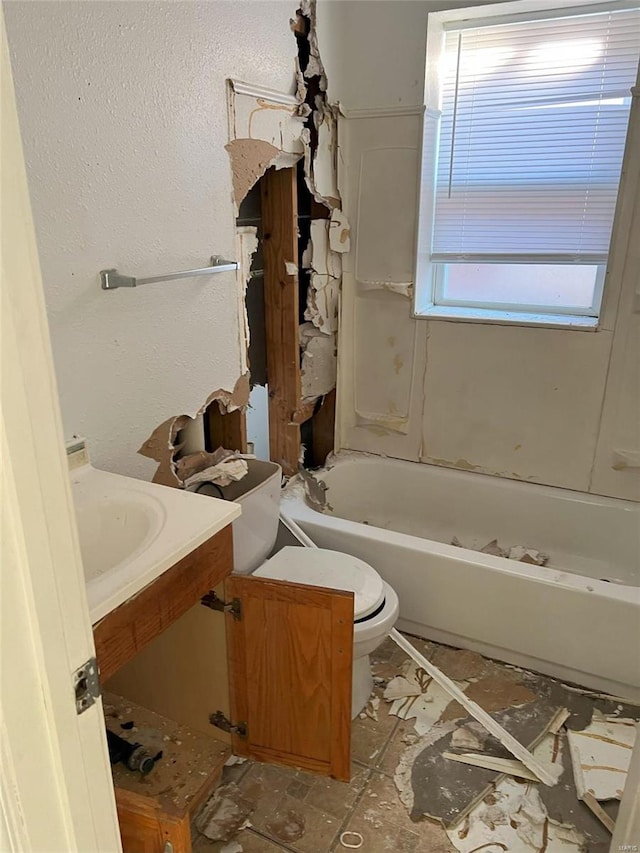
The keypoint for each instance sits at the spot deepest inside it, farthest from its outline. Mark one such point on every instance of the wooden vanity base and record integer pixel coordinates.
(129, 628)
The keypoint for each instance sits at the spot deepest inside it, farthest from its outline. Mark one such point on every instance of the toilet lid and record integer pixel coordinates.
(333, 569)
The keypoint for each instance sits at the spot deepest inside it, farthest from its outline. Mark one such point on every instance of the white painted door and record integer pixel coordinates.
(55, 783)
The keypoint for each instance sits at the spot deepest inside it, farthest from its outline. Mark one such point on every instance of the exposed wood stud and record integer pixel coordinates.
(280, 246)
(225, 429)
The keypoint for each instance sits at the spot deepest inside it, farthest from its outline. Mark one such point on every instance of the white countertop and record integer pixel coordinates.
(132, 531)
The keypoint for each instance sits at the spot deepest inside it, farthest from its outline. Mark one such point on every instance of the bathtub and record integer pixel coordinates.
(577, 618)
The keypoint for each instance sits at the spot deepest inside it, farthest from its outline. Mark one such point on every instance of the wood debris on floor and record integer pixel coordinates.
(407, 796)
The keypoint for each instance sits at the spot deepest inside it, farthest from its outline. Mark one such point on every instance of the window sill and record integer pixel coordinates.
(508, 318)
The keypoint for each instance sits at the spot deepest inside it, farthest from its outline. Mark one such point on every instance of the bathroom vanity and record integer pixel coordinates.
(273, 669)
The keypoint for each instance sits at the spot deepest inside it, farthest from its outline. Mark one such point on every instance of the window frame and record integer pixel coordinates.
(429, 301)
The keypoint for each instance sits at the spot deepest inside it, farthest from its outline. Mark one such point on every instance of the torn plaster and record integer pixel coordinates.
(314, 68)
(264, 114)
(326, 272)
(247, 244)
(229, 401)
(322, 303)
(250, 159)
(161, 445)
(265, 130)
(319, 362)
(324, 260)
(324, 163)
(339, 232)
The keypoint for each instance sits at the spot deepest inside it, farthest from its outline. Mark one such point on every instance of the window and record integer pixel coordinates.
(524, 135)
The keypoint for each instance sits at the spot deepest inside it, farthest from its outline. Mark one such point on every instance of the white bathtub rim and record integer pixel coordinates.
(296, 507)
(344, 456)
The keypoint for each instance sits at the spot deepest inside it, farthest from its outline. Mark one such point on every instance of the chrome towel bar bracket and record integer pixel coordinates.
(112, 279)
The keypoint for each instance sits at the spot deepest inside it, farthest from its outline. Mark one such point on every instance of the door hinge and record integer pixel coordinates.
(86, 685)
(234, 607)
(220, 721)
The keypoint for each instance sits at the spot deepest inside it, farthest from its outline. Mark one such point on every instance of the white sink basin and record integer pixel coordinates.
(132, 531)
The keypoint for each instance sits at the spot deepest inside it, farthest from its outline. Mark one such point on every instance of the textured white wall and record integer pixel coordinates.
(123, 114)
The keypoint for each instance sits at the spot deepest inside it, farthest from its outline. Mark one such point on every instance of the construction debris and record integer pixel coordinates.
(513, 818)
(220, 467)
(472, 736)
(319, 366)
(225, 814)
(415, 695)
(490, 762)
(601, 754)
(590, 801)
(436, 787)
(371, 709)
(517, 552)
(546, 774)
(451, 771)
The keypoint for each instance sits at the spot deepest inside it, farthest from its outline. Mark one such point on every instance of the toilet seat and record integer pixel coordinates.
(333, 569)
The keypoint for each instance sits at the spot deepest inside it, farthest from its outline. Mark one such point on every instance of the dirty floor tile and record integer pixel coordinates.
(235, 772)
(404, 735)
(251, 843)
(369, 737)
(385, 825)
(328, 795)
(302, 826)
(301, 812)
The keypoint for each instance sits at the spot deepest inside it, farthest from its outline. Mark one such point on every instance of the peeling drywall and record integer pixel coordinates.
(229, 401)
(250, 159)
(247, 242)
(326, 276)
(267, 129)
(161, 446)
(339, 232)
(319, 362)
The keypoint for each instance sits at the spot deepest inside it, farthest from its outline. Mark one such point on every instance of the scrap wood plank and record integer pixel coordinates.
(590, 801)
(490, 762)
(548, 774)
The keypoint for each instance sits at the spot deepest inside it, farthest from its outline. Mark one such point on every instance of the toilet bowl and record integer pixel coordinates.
(255, 533)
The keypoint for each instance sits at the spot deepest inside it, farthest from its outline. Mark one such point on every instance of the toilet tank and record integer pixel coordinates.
(255, 532)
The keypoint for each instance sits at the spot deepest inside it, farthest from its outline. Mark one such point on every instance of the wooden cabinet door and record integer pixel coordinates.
(290, 662)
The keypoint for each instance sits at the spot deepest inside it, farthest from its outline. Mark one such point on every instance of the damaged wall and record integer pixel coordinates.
(544, 405)
(123, 109)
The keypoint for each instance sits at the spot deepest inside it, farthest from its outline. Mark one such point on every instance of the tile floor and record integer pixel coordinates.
(304, 813)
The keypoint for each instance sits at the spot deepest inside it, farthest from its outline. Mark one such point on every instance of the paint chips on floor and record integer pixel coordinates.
(415, 696)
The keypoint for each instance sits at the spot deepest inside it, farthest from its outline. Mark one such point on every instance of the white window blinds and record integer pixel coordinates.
(532, 136)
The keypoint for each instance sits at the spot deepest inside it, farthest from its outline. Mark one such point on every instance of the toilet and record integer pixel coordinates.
(270, 547)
